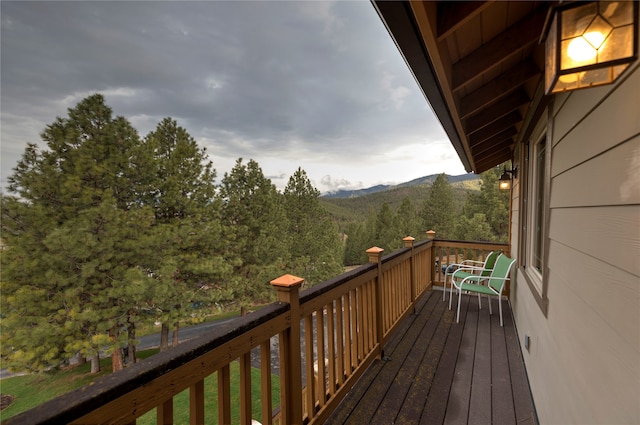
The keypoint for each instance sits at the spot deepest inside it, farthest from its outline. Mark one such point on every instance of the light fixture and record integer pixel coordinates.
(589, 44)
(505, 179)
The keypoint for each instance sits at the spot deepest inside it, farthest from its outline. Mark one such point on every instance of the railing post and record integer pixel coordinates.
(408, 243)
(375, 256)
(431, 235)
(287, 288)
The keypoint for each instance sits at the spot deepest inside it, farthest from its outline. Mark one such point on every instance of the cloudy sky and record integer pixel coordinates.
(312, 84)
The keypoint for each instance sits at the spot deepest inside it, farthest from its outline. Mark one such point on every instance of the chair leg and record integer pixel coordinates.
(444, 287)
(459, 296)
(489, 301)
(479, 302)
(500, 305)
(451, 293)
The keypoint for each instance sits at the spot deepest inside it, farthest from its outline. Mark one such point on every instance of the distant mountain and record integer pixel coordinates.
(420, 181)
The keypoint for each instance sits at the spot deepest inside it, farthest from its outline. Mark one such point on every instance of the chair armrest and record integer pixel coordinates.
(470, 268)
(469, 280)
(472, 261)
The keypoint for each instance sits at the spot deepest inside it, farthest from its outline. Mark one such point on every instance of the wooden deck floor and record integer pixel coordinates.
(440, 372)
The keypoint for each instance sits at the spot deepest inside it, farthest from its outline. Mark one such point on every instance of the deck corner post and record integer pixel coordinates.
(409, 243)
(375, 256)
(431, 235)
(288, 291)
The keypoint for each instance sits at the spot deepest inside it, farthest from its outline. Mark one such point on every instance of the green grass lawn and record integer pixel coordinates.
(34, 389)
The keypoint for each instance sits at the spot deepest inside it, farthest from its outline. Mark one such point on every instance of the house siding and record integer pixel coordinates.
(583, 362)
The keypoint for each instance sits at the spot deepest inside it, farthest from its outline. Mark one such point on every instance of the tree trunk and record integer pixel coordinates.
(81, 359)
(164, 337)
(116, 356)
(175, 334)
(116, 360)
(95, 363)
(131, 337)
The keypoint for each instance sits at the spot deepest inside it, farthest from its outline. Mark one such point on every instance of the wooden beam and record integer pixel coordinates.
(495, 127)
(494, 141)
(496, 158)
(452, 15)
(508, 104)
(491, 54)
(499, 87)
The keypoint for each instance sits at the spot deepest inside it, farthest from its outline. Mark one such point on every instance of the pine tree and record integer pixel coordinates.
(439, 210)
(406, 220)
(492, 203)
(356, 243)
(386, 234)
(189, 267)
(315, 245)
(70, 239)
(253, 208)
(474, 229)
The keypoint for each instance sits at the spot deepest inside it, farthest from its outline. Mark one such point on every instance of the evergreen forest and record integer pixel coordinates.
(104, 231)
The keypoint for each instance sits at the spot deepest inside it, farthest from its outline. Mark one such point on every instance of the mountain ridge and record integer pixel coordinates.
(355, 193)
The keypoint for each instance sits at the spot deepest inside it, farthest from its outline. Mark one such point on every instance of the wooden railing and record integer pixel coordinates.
(447, 253)
(344, 321)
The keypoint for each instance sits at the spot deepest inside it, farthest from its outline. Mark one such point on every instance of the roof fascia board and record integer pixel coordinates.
(408, 25)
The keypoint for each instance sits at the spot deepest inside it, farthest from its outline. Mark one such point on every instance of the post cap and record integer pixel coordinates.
(431, 234)
(287, 281)
(408, 241)
(374, 254)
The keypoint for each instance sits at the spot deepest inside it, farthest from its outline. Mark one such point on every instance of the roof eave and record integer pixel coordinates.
(399, 19)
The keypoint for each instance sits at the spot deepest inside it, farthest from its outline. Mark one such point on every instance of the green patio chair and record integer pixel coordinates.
(468, 268)
(495, 283)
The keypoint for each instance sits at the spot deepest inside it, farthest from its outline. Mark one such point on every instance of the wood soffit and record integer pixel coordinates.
(478, 63)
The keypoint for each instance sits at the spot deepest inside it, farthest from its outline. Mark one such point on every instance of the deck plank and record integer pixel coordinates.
(419, 368)
(435, 405)
(362, 401)
(522, 399)
(458, 405)
(377, 391)
(480, 402)
(443, 372)
(501, 396)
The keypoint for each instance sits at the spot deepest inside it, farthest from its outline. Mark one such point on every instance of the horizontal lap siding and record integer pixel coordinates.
(608, 122)
(595, 326)
(608, 234)
(583, 361)
(611, 178)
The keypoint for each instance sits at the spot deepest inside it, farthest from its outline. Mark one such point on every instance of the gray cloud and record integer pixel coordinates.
(305, 81)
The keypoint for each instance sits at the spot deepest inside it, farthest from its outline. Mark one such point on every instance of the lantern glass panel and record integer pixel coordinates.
(575, 21)
(617, 13)
(595, 77)
(597, 32)
(618, 45)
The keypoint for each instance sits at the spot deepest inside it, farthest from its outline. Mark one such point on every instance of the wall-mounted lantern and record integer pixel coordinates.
(589, 44)
(504, 183)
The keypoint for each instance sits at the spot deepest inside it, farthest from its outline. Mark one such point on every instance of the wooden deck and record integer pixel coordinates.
(437, 371)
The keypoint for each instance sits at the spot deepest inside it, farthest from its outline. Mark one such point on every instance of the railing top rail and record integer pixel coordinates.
(422, 242)
(328, 285)
(469, 244)
(88, 398)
